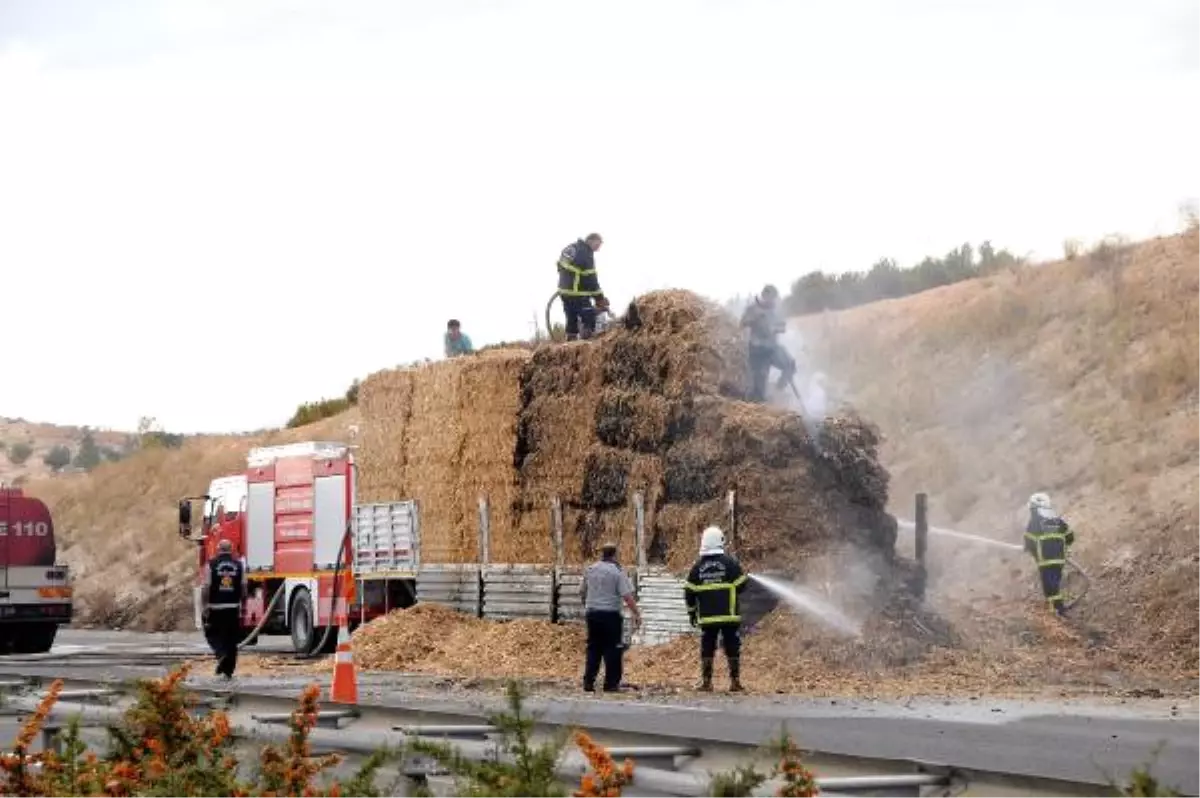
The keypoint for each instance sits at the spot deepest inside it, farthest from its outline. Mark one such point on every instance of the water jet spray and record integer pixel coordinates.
(809, 603)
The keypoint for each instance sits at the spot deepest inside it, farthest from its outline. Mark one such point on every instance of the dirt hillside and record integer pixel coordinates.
(1078, 378)
(23, 444)
(116, 526)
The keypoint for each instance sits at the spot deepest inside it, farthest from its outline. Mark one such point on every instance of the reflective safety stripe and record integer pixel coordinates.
(730, 586)
(343, 656)
(566, 265)
(1046, 537)
(224, 606)
(579, 274)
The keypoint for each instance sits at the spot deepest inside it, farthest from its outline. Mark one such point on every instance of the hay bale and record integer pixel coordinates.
(385, 401)
(490, 396)
(702, 349)
(585, 530)
(443, 434)
(675, 535)
(692, 474)
(435, 438)
(637, 420)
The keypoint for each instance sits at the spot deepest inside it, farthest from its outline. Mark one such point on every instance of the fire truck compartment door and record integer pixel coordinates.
(329, 519)
(260, 526)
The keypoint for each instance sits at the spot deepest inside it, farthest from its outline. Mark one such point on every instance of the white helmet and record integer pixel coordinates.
(712, 541)
(1039, 501)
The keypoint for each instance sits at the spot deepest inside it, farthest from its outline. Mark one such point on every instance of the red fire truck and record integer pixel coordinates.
(35, 594)
(292, 518)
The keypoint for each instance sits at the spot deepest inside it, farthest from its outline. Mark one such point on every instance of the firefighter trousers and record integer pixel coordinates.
(762, 359)
(1052, 586)
(580, 316)
(729, 635)
(224, 632)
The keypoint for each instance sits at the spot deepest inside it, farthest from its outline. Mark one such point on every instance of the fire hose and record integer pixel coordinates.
(312, 651)
(1087, 583)
(549, 305)
(266, 615)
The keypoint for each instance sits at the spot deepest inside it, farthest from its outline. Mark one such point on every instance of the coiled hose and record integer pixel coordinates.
(549, 305)
(1087, 583)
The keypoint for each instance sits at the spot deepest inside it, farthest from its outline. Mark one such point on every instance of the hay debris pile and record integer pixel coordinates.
(784, 654)
(655, 409)
(430, 638)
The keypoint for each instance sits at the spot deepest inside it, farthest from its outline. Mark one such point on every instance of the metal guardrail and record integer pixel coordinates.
(664, 613)
(518, 591)
(655, 772)
(455, 586)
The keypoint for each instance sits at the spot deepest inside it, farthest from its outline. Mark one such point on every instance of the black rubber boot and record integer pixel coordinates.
(706, 673)
(735, 673)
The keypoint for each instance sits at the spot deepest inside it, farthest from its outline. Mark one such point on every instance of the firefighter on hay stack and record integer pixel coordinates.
(1048, 538)
(762, 318)
(712, 590)
(578, 285)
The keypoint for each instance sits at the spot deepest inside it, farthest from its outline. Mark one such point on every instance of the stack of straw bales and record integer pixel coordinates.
(656, 409)
(443, 434)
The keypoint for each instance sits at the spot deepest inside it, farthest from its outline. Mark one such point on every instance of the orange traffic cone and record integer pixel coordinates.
(345, 685)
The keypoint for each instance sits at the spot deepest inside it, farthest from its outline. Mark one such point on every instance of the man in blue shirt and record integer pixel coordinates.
(457, 342)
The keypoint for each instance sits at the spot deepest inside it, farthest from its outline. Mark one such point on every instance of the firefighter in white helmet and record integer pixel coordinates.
(1048, 538)
(711, 592)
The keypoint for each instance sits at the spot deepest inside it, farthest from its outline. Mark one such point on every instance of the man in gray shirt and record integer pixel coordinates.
(603, 589)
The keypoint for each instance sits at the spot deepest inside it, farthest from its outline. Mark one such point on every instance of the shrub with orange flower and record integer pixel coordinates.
(161, 748)
(19, 778)
(293, 770)
(604, 778)
(797, 779)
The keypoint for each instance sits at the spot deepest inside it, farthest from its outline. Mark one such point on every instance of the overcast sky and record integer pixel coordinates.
(212, 211)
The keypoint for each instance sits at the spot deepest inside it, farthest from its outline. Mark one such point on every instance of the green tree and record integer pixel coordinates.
(88, 456)
(57, 458)
(817, 291)
(19, 452)
(150, 435)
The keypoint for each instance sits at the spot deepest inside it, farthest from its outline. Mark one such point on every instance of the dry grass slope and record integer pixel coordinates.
(41, 438)
(1079, 378)
(116, 527)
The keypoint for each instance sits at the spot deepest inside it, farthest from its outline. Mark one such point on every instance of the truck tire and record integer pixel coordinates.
(34, 638)
(300, 622)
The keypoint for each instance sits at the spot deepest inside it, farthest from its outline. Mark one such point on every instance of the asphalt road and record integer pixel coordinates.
(1072, 742)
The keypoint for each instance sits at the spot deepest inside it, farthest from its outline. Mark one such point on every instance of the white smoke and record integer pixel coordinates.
(812, 397)
(812, 385)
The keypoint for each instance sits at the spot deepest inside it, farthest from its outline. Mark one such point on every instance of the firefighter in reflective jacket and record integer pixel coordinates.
(1048, 539)
(225, 585)
(578, 285)
(711, 593)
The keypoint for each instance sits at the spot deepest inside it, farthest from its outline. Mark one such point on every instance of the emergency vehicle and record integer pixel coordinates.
(35, 591)
(312, 555)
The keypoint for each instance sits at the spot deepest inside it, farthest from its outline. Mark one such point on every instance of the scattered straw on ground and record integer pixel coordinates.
(1032, 653)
